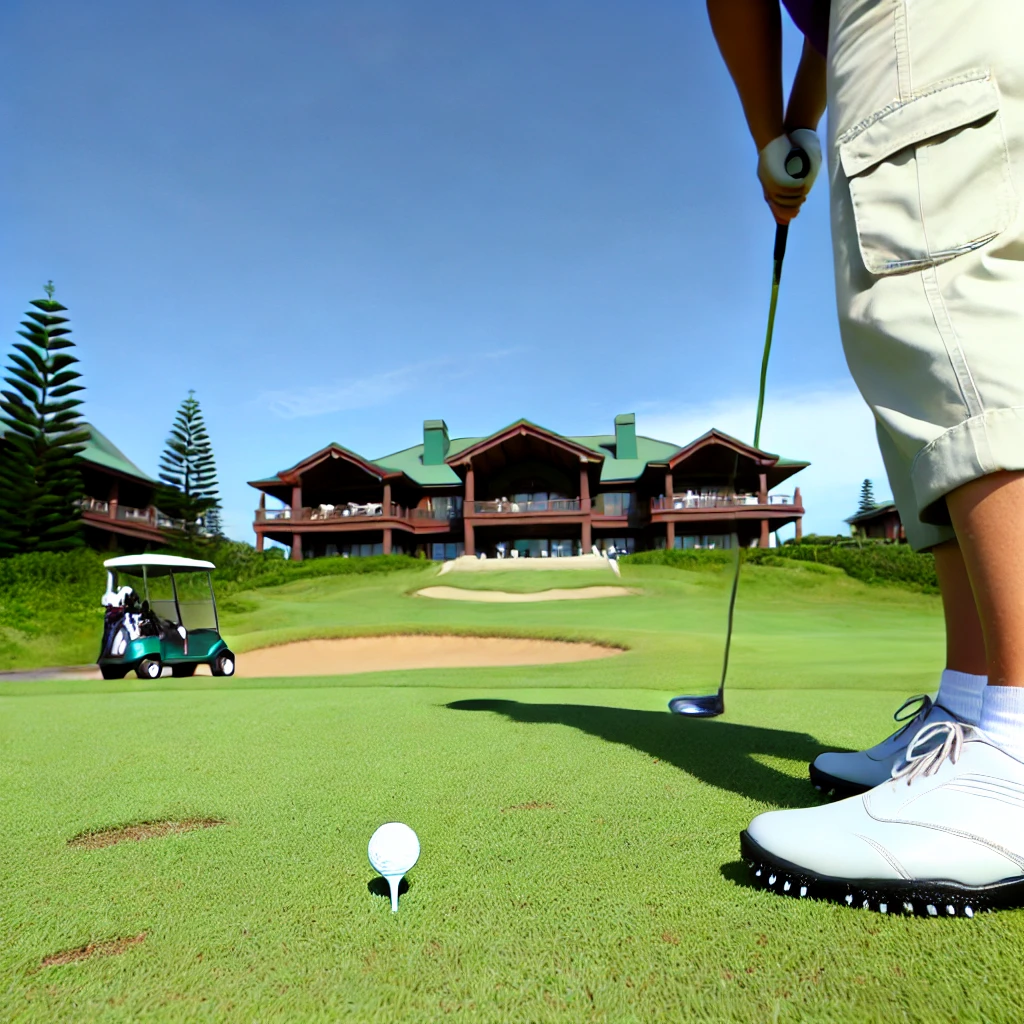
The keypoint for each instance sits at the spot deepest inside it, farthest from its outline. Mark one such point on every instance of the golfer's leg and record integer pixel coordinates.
(962, 681)
(965, 641)
(926, 158)
(988, 515)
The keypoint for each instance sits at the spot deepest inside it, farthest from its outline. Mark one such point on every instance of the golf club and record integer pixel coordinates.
(713, 704)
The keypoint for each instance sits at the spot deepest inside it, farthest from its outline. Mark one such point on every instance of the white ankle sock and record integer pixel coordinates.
(1002, 718)
(960, 694)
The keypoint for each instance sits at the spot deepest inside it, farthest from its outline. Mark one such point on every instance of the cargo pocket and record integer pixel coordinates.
(930, 177)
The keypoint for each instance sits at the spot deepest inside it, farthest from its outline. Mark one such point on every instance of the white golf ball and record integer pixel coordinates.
(393, 849)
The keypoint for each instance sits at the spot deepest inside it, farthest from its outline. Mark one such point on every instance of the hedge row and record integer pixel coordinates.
(874, 563)
(38, 590)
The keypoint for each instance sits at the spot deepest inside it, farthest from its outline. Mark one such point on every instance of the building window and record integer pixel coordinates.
(704, 542)
(446, 552)
(449, 507)
(615, 503)
(622, 545)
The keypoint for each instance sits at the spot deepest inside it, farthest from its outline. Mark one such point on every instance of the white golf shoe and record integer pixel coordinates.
(944, 837)
(849, 774)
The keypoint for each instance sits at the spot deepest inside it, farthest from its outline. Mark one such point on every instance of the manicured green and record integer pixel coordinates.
(580, 845)
(527, 581)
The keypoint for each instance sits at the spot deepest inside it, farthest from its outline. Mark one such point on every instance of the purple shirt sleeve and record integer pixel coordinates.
(811, 17)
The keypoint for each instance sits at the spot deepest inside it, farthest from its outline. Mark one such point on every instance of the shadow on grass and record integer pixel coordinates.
(379, 887)
(722, 754)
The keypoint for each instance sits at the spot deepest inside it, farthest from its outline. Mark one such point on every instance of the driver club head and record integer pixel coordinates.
(707, 706)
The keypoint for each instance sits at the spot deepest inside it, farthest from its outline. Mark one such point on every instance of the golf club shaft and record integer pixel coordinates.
(781, 236)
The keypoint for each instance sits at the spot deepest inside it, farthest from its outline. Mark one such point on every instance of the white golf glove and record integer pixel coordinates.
(771, 161)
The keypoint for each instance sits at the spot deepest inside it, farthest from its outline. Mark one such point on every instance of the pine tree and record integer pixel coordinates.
(867, 498)
(40, 476)
(188, 472)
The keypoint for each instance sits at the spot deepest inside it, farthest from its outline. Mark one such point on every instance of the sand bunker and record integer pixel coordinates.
(575, 594)
(389, 653)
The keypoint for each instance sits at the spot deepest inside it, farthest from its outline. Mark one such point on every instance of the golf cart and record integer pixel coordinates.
(160, 610)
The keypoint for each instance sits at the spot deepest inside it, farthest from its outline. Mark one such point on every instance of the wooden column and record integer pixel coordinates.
(799, 502)
(296, 515)
(386, 510)
(669, 486)
(586, 532)
(468, 539)
(670, 535)
(259, 541)
(763, 540)
(112, 500)
(762, 489)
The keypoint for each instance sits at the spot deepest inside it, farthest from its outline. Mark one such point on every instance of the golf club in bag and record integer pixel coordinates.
(713, 704)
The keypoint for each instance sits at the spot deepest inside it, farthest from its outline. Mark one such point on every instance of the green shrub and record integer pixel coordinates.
(689, 559)
(872, 563)
(42, 586)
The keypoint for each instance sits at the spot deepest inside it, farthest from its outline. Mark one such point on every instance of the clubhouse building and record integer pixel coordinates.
(119, 512)
(529, 490)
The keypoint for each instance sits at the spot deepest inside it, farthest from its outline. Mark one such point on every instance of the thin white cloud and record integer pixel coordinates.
(359, 393)
(830, 427)
(372, 390)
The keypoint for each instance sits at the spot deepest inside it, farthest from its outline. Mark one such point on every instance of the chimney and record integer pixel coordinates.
(435, 442)
(625, 436)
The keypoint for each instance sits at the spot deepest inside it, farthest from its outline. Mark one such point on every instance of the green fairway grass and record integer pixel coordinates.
(579, 844)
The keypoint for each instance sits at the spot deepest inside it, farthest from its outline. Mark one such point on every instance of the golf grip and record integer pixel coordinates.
(782, 230)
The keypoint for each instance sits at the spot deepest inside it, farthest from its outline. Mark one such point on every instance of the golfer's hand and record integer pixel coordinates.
(783, 193)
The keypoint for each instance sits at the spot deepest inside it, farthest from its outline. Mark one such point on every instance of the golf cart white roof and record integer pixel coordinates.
(158, 565)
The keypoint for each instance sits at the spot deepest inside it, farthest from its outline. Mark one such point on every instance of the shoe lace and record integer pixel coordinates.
(910, 710)
(929, 762)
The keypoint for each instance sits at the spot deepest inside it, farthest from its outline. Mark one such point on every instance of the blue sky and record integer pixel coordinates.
(334, 221)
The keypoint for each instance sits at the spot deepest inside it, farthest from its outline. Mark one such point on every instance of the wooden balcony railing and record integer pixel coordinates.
(95, 505)
(352, 510)
(679, 502)
(151, 516)
(511, 507)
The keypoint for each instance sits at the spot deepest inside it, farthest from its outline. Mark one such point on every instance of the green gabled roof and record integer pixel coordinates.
(648, 450)
(410, 462)
(101, 451)
(882, 506)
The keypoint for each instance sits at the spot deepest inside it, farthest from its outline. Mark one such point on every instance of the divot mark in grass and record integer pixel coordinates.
(112, 947)
(531, 805)
(140, 830)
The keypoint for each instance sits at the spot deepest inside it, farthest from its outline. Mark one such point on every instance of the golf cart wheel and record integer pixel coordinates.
(113, 672)
(223, 664)
(148, 668)
(183, 671)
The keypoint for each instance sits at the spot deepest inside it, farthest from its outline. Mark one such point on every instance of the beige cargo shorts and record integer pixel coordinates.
(926, 162)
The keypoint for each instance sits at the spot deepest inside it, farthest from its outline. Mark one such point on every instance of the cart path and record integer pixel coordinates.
(576, 594)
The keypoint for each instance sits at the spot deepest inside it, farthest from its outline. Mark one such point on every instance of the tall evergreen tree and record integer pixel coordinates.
(867, 497)
(189, 473)
(40, 476)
